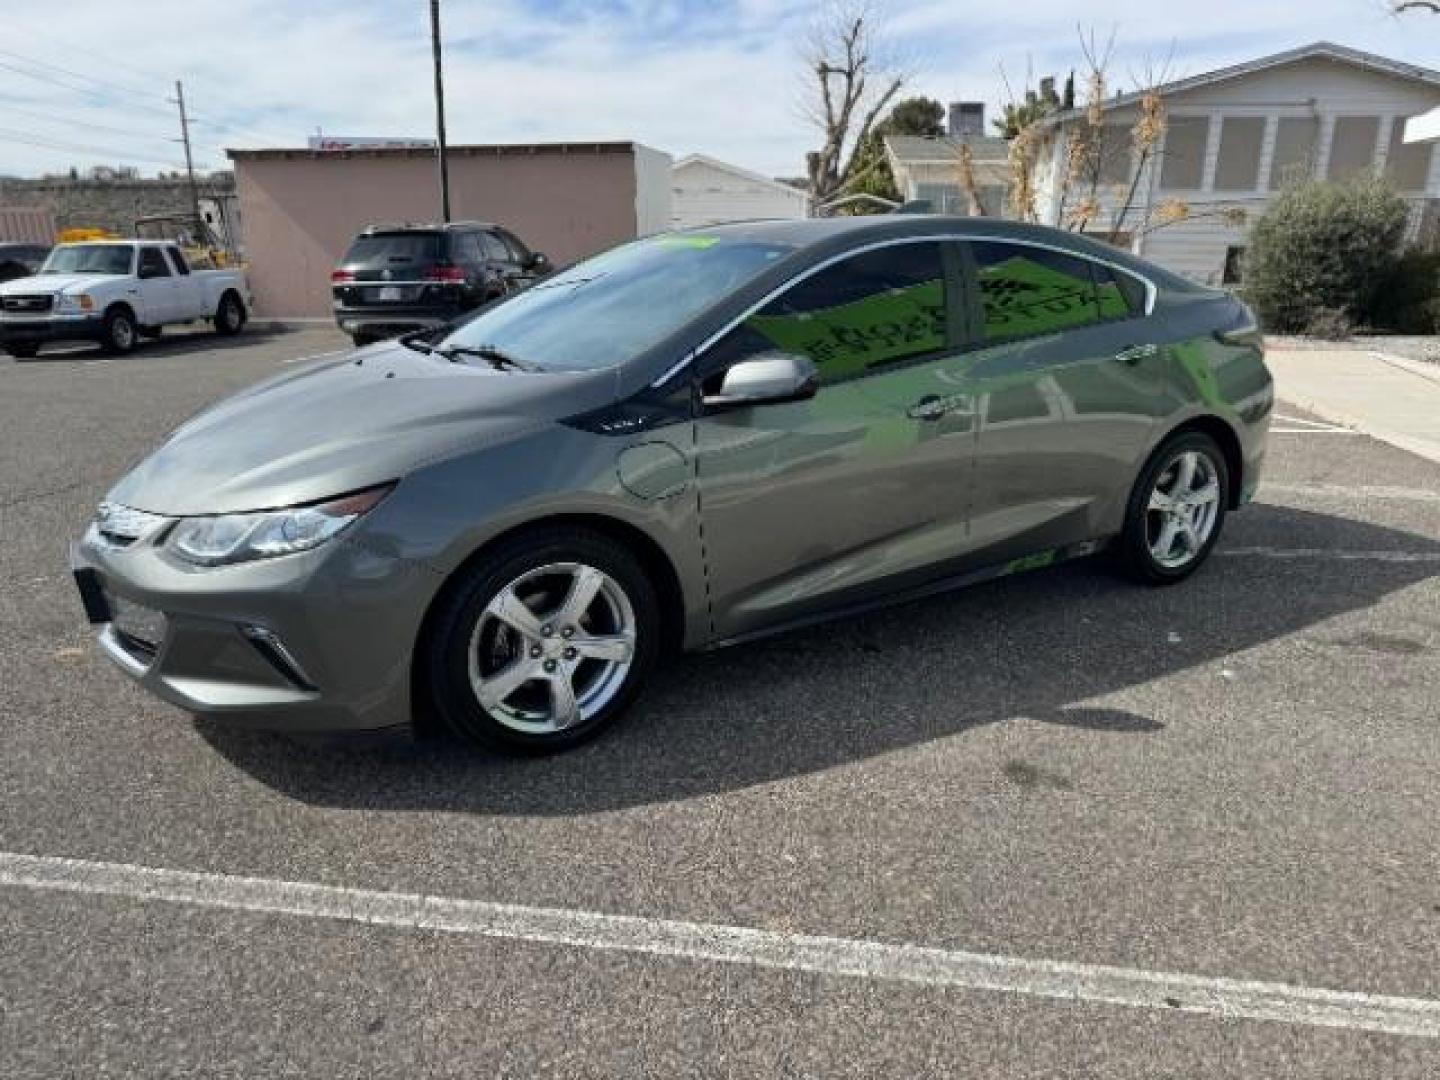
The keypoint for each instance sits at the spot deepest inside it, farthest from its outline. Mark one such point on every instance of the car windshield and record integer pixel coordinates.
(613, 307)
(89, 259)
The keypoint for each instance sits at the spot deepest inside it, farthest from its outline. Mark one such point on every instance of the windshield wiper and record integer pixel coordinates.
(498, 357)
(416, 340)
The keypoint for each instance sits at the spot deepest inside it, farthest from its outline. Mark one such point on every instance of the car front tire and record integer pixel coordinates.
(544, 643)
(229, 315)
(1176, 510)
(119, 332)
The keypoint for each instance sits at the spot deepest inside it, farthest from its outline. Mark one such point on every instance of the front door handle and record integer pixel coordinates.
(1135, 353)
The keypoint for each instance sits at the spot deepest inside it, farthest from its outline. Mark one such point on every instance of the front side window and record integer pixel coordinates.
(609, 309)
(153, 264)
(1028, 291)
(518, 251)
(870, 311)
(89, 259)
(492, 249)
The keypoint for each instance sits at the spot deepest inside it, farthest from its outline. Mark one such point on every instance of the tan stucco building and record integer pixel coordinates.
(302, 208)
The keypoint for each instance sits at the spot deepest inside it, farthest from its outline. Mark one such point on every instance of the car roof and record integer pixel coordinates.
(425, 226)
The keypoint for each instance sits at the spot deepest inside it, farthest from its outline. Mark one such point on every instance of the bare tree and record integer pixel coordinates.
(850, 83)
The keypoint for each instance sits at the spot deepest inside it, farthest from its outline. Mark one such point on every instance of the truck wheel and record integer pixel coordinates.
(230, 315)
(22, 350)
(361, 340)
(119, 332)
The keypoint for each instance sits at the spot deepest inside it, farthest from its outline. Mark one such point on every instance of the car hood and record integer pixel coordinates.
(53, 283)
(340, 425)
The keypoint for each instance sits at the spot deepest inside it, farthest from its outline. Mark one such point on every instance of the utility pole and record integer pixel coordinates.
(179, 100)
(440, 111)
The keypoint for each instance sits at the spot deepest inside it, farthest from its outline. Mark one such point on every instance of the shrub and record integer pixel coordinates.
(1409, 299)
(1323, 246)
(1329, 324)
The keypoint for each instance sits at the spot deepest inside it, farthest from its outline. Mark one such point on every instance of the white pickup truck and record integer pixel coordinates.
(116, 292)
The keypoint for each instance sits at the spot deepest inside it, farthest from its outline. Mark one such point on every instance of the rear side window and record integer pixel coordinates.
(870, 311)
(399, 249)
(181, 266)
(1029, 291)
(466, 248)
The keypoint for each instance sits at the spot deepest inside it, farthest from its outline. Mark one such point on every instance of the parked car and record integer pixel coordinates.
(691, 440)
(21, 260)
(403, 277)
(115, 292)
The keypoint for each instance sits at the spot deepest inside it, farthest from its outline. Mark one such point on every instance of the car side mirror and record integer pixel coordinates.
(539, 263)
(767, 378)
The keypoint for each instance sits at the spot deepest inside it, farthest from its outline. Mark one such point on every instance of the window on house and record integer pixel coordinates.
(1026, 291)
(1234, 271)
(1184, 166)
(1294, 158)
(1237, 166)
(1352, 149)
(1117, 150)
(1408, 164)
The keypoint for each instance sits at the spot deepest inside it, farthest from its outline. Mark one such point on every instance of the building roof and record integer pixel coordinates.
(466, 150)
(919, 150)
(1322, 50)
(736, 170)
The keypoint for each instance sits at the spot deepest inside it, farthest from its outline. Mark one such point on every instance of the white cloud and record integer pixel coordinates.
(719, 78)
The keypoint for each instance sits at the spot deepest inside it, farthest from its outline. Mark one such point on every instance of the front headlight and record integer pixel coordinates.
(74, 302)
(233, 538)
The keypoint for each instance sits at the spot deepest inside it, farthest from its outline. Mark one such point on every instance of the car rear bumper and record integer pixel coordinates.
(315, 642)
(355, 318)
(31, 331)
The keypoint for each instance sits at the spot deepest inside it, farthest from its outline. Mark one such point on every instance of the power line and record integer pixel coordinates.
(40, 77)
(117, 87)
(71, 122)
(30, 138)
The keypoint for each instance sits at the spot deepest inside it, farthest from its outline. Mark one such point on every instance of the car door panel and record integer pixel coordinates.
(1065, 403)
(157, 293)
(814, 503)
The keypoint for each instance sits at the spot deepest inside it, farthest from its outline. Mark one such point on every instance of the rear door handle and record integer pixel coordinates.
(1135, 353)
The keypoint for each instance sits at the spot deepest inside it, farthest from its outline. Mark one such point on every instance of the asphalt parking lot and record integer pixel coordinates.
(1195, 791)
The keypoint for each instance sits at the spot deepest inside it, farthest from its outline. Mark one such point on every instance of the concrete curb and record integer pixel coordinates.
(1425, 448)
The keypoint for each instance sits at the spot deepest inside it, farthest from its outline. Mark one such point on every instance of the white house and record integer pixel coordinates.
(706, 192)
(1236, 136)
(928, 170)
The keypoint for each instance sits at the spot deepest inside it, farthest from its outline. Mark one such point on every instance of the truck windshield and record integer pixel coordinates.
(89, 259)
(611, 308)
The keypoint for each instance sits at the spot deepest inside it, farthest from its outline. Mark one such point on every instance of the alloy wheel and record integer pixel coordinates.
(1183, 508)
(552, 648)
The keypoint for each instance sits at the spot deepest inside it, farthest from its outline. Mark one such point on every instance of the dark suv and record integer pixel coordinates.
(21, 260)
(404, 277)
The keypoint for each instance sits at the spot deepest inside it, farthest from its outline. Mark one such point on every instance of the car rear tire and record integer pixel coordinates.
(544, 643)
(361, 340)
(119, 332)
(1176, 510)
(22, 350)
(229, 315)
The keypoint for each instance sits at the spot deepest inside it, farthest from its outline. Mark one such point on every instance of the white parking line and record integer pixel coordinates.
(1339, 554)
(1344, 491)
(1094, 983)
(315, 356)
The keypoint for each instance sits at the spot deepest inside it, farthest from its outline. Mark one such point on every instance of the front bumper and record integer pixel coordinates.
(319, 641)
(34, 331)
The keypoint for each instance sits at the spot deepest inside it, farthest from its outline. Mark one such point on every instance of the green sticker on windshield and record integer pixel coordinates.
(701, 242)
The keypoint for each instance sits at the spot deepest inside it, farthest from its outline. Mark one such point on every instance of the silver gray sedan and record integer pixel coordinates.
(690, 440)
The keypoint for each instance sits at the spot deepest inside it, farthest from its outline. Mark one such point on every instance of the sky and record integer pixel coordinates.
(723, 77)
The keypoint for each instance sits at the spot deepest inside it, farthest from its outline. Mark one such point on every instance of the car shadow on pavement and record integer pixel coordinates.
(1041, 646)
(171, 342)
